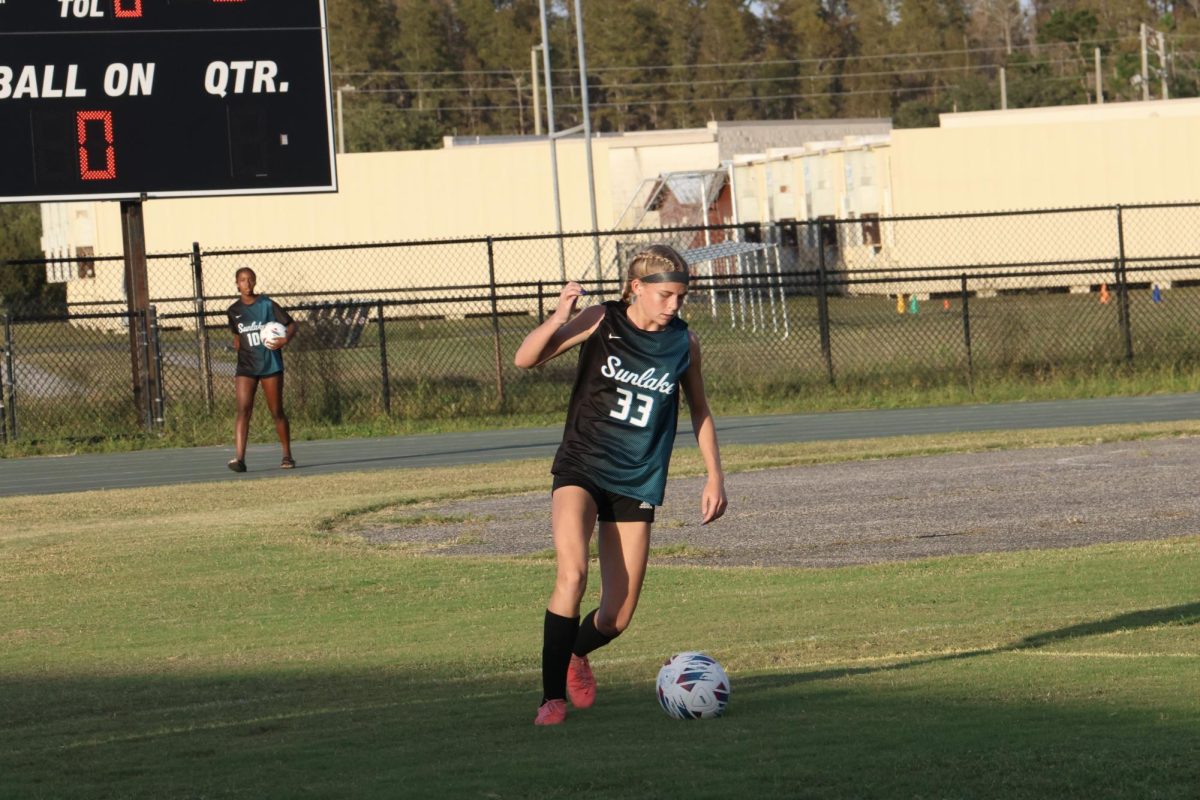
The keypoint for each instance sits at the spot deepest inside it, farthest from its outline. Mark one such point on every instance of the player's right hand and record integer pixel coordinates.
(566, 302)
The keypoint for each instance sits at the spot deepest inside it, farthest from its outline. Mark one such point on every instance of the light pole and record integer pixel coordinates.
(537, 107)
(562, 258)
(587, 138)
(341, 140)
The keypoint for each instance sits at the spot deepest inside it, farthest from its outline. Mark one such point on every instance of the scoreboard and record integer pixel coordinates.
(124, 99)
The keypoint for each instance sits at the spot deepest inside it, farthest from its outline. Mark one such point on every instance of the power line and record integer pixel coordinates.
(704, 100)
(770, 62)
(729, 81)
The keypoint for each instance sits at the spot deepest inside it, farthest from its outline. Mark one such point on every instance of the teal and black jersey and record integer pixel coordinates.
(621, 420)
(245, 322)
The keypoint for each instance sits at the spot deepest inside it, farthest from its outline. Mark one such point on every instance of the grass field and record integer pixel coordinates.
(200, 641)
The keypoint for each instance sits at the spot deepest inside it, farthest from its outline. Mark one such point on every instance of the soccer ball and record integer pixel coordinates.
(272, 331)
(692, 686)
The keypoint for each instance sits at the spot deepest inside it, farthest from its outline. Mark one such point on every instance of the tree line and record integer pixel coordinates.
(423, 69)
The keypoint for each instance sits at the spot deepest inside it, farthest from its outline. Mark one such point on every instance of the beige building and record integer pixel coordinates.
(855, 174)
(462, 191)
(974, 163)
(472, 187)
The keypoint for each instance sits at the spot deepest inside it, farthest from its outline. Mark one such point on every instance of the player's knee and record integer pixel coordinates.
(612, 624)
(572, 582)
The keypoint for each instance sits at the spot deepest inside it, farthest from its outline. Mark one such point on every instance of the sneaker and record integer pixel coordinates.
(237, 465)
(581, 683)
(551, 712)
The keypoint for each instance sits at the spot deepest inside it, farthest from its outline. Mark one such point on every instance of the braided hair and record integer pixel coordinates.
(652, 260)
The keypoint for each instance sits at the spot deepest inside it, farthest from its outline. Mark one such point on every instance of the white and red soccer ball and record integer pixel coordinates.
(692, 685)
(272, 331)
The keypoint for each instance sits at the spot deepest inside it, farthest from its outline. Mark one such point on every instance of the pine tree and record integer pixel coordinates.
(728, 37)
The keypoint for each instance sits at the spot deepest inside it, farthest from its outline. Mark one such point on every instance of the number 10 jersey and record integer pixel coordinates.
(625, 405)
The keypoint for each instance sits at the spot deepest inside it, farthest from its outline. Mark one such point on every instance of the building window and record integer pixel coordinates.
(829, 232)
(85, 262)
(870, 231)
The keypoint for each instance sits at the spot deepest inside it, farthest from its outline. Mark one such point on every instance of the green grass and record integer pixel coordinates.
(196, 642)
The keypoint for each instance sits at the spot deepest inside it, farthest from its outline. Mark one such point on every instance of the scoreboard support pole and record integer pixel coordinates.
(143, 347)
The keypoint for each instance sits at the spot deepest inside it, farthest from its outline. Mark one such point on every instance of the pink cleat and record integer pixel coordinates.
(551, 712)
(581, 683)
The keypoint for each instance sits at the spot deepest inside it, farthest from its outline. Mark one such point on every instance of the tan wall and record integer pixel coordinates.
(633, 160)
(1077, 157)
(997, 161)
(453, 193)
(437, 194)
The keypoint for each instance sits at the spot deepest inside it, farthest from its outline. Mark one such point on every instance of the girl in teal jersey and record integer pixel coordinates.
(636, 353)
(258, 362)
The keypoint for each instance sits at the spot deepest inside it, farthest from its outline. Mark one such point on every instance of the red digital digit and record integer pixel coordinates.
(82, 118)
(121, 8)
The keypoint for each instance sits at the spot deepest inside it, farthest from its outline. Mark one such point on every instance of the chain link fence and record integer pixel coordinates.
(428, 329)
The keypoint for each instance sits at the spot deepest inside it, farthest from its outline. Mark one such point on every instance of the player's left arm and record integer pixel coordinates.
(713, 501)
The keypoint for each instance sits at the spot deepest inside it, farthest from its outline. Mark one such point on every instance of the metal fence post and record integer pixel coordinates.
(383, 361)
(541, 302)
(966, 322)
(823, 308)
(1123, 289)
(141, 368)
(8, 428)
(157, 393)
(206, 383)
(495, 322)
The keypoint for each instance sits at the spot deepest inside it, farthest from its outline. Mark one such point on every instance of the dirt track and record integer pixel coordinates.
(871, 511)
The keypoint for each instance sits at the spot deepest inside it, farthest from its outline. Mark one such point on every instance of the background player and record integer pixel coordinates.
(258, 363)
(612, 463)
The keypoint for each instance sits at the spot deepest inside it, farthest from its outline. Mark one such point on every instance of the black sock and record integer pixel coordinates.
(558, 634)
(589, 637)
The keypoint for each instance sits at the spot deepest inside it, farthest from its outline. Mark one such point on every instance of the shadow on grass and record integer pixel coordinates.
(382, 733)
(1186, 614)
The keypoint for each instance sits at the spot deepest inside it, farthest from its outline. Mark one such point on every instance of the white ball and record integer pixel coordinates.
(272, 331)
(692, 685)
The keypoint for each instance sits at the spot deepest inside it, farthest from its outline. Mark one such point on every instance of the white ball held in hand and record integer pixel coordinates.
(271, 332)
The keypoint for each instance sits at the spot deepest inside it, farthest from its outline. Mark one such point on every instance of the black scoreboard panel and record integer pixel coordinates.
(130, 98)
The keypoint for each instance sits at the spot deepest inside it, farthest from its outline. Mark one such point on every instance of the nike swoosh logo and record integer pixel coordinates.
(613, 337)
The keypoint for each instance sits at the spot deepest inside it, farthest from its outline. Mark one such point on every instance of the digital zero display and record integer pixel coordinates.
(120, 99)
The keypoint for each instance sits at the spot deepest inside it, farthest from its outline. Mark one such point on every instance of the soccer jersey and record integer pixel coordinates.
(621, 419)
(245, 322)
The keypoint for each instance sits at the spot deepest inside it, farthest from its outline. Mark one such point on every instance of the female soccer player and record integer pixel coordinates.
(612, 463)
(258, 362)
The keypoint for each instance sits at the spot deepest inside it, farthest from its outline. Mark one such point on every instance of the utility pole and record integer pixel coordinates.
(341, 138)
(537, 106)
(587, 139)
(1099, 79)
(1003, 91)
(562, 257)
(1145, 67)
(1162, 61)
